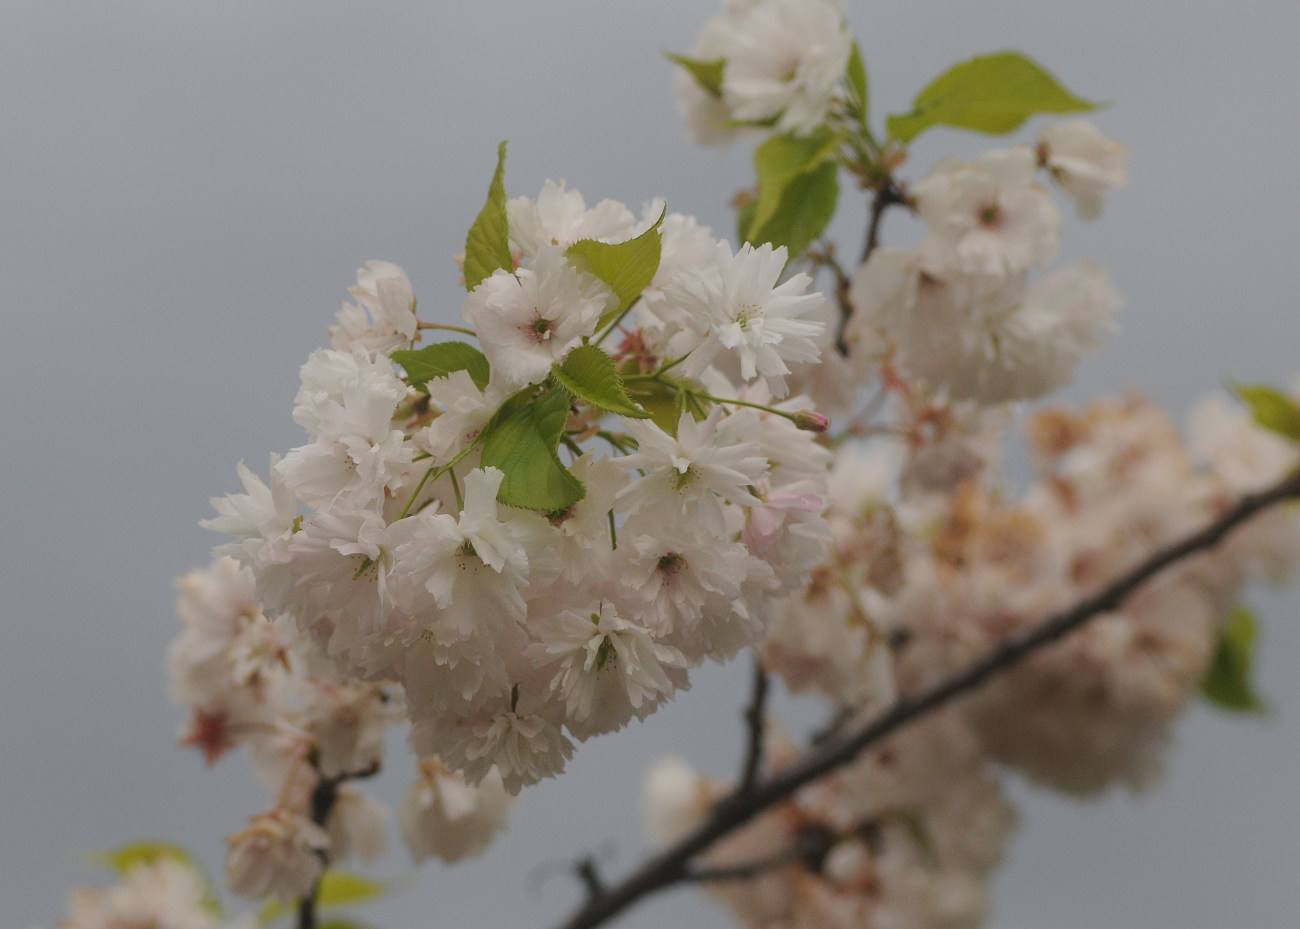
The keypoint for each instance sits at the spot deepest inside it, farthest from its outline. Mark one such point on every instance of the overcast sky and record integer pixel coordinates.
(187, 189)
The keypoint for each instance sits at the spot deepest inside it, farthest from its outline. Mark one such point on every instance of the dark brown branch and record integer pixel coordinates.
(755, 718)
(810, 848)
(890, 194)
(671, 866)
(323, 797)
(589, 874)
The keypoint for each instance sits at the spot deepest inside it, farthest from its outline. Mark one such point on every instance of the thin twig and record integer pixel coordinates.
(755, 724)
(671, 866)
(589, 874)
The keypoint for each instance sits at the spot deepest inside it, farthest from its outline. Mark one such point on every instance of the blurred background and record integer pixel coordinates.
(187, 189)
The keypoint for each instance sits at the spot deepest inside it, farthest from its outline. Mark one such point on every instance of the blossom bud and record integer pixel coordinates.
(809, 421)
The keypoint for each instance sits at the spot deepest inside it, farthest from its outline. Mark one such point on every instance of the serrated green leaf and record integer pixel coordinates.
(707, 74)
(627, 267)
(337, 889)
(522, 440)
(1227, 682)
(781, 161)
(1272, 409)
(993, 94)
(440, 359)
(590, 375)
(856, 75)
(807, 206)
(487, 246)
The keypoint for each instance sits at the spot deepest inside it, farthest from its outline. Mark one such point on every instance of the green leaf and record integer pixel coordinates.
(856, 75)
(993, 94)
(780, 162)
(487, 247)
(745, 209)
(337, 889)
(807, 205)
(627, 267)
(440, 359)
(1272, 409)
(708, 74)
(658, 399)
(125, 857)
(1227, 682)
(590, 375)
(522, 440)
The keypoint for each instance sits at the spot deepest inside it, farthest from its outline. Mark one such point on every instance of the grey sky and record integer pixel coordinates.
(188, 188)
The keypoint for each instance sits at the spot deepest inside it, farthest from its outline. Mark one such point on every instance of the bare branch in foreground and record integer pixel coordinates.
(672, 865)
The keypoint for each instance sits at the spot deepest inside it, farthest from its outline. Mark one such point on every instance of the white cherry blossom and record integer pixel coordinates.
(530, 320)
(1084, 163)
(742, 309)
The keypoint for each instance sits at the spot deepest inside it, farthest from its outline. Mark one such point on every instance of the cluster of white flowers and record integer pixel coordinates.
(152, 894)
(933, 562)
(250, 681)
(958, 314)
(770, 63)
(450, 547)
(905, 836)
(926, 576)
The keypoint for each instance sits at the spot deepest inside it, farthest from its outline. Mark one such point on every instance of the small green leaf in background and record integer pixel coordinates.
(440, 359)
(487, 247)
(1272, 409)
(337, 889)
(522, 442)
(807, 205)
(993, 94)
(590, 375)
(856, 74)
(1227, 682)
(782, 160)
(125, 857)
(708, 74)
(627, 267)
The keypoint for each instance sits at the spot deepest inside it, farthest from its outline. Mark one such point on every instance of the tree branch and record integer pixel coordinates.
(671, 865)
(323, 797)
(888, 195)
(754, 725)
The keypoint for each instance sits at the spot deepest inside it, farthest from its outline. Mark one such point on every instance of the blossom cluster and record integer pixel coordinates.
(934, 561)
(513, 544)
(151, 894)
(958, 312)
(924, 578)
(510, 547)
(774, 64)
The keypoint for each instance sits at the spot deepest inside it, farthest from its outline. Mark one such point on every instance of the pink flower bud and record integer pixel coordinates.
(809, 421)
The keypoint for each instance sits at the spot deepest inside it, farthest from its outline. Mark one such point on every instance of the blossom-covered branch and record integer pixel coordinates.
(672, 866)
